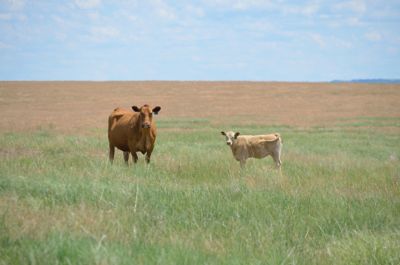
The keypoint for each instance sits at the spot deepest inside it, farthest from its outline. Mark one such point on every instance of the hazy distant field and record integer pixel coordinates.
(337, 201)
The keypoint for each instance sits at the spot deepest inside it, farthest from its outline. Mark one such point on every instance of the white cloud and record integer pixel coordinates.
(340, 21)
(373, 36)
(16, 4)
(342, 43)
(357, 6)
(242, 4)
(4, 45)
(194, 10)
(353, 21)
(87, 4)
(261, 25)
(127, 14)
(94, 16)
(318, 39)
(330, 41)
(6, 16)
(163, 10)
(164, 13)
(101, 34)
(393, 50)
(58, 19)
(306, 10)
(65, 24)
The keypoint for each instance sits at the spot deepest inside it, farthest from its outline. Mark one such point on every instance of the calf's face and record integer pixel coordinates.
(146, 115)
(230, 137)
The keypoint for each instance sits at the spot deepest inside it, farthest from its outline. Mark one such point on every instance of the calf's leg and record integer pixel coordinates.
(276, 155)
(278, 162)
(277, 159)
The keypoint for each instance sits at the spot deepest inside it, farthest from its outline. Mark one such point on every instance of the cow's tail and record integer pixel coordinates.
(111, 119)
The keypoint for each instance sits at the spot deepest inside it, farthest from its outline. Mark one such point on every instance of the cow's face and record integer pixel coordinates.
(230, 137)
(146, 115)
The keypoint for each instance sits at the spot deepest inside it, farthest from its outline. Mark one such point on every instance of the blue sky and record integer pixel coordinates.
(270, 40)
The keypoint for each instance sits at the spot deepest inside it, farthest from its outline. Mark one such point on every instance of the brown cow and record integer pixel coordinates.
(132, 132)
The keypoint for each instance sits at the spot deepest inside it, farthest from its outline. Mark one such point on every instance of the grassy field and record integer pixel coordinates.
(336, 202)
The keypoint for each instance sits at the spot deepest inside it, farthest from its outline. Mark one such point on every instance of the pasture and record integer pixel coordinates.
(336, 202)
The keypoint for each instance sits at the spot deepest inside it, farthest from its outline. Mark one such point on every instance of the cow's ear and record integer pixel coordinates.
(236, 135)
(156, 110)
(135, 109)
(223, 133)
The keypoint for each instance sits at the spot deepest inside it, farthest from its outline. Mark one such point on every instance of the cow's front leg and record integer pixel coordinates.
(134, 156)
(126, 157)
(242, 163)
(148, 155)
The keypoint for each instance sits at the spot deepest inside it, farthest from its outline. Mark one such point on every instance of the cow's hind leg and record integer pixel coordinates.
(126, 157)
(111, 153)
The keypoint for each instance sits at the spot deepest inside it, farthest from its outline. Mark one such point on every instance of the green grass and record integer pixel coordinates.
(337, 201)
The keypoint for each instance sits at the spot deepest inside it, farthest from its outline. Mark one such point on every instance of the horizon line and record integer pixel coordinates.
(358, 80)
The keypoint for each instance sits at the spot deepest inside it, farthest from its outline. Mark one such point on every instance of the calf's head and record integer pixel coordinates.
(146, 115)
(230, 137)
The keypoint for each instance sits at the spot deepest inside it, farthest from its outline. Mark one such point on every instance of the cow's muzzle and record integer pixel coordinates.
(146, 126)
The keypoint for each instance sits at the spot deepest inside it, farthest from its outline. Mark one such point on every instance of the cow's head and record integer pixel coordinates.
(230, 137)
(146, 115)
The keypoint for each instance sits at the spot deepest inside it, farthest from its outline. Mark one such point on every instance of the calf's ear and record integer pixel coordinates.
(156, 110)
(223, 133)
(135, 109)
(236, 134)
